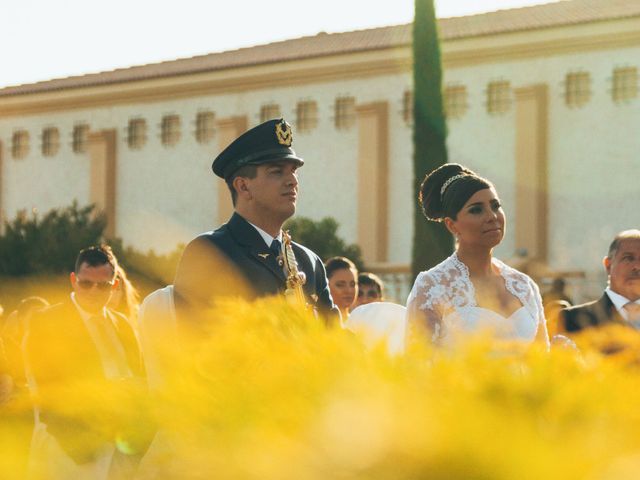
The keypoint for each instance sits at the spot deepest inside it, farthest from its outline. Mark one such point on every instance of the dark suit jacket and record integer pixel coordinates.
(593, 314)
(236, 251)
(65, 362)
(59, 347)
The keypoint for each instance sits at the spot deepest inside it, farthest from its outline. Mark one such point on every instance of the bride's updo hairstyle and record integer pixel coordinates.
(446, 189)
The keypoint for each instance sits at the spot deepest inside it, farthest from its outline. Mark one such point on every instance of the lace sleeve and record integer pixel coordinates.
(423, 319)
(542, 333)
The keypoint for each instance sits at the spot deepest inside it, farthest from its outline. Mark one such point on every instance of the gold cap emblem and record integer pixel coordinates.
(284, 134)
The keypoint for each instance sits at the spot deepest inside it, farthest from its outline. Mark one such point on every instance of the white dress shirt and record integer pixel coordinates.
(47, 459)
(619, 302)
(268, 239)
(105, 338)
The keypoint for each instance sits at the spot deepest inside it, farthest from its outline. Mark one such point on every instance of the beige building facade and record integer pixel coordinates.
(542, 100)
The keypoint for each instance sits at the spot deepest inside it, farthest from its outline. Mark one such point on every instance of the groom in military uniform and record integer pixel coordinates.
(243, 255)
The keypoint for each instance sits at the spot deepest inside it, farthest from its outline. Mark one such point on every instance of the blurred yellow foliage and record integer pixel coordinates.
(264, 391)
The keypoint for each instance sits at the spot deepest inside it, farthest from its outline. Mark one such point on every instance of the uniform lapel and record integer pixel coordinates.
(250, 239)
(305, 266)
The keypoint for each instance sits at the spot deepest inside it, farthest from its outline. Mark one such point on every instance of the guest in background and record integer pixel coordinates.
(83, 347)
(555, 323)
(125, 298)
(557, 292)
(6, 381)
(14, 330)
(620, 302)
(343, 284)
(370, 289)
(553, 301)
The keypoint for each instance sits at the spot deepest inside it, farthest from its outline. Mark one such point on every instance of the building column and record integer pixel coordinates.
(373, 175)
(102, 192)
(228, 130)
(531, 194)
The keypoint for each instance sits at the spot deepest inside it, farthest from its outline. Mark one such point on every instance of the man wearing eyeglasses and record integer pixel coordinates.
(91, 354)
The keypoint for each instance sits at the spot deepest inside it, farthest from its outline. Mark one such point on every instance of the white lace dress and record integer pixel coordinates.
(442, 302)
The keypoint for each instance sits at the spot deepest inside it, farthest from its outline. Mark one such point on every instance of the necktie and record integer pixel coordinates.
(633, 312)
(276, 247)
(111, 353)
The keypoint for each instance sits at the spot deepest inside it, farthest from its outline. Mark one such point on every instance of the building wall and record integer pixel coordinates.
(592, 151)
(37, 182)
(166, 195)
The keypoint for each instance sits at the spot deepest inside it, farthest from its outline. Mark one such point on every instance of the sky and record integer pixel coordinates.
(46, 39)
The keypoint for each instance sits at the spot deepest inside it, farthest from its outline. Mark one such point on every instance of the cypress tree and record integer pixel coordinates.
(431, 242)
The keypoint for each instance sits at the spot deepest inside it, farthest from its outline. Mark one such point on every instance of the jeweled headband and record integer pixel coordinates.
(449, 182)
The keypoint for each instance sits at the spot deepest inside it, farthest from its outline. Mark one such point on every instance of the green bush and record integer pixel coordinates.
(49, 244)
(159, 269)
(323, 239)
(35, 245)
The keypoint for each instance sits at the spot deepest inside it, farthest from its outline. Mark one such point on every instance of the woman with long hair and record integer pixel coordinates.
(342, 275)
(125, 299)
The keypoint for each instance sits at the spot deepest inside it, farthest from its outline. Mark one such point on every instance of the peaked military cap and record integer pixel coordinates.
(268, 142)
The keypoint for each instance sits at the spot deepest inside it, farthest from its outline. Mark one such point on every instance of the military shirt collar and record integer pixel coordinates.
(268, 239)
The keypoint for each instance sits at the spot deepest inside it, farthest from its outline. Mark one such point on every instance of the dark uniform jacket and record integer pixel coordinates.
(593, 314)
(65, 364)
(235, 258)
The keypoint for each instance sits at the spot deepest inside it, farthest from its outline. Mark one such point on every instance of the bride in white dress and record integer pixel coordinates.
(471, 291)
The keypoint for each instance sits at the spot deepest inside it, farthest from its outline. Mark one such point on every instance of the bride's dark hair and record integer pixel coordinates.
(436, 204)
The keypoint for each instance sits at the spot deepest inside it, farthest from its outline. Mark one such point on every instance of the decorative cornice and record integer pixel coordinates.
(522, 50)
(341, 67)
(455, 54)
